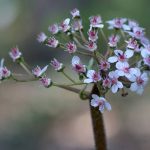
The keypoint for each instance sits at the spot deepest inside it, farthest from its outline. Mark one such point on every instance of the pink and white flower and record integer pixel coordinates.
(116, 23)
(56, 64)
(54, 29)
(46, 82)
(92, 46)
(93, 35)
(77, 65)
(52, 42)
(137, 33)
(113, 76)
(113, 40)
(64, 26)
(100, 102)
(133, 44)
(41, 37)
(139, 81)
(96, 22)
(104, 65)
(125, 70)
(93, 76)
(15, 54)
(71, 47)
(120, 56)
(75, 13)
(38, 72)
(4, 72)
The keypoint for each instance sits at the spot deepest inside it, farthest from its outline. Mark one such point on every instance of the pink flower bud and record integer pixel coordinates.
(38, 72)
(15, 53)
(91, 46)
(113, 40)
(41, 37)
(46, 81)
(52, 42)
(64, 26)
(104, 65)
(93, 35)
(77, 25)
(54, 29)
(96, 22)
(71, 47)
(56, 64)
(75, 13)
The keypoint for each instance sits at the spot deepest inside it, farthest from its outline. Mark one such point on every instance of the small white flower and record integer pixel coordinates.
(93, 35)
(77, 65)
(75, 13)
(100, 102)
(116, 23)
(93, 76)
(113, 40)
(120, 56)
(64, 26)
(54, 29)
(92, 46)
(125, 70)
(41, 37)
(15, 54)
(71, 47)
(56, 64)
(139, 81)
(52, 42)
(38, 72)
(113, 76)
(96, 22)
(46, 81)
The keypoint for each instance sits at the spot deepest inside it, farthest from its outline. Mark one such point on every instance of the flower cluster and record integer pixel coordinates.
(124, 63)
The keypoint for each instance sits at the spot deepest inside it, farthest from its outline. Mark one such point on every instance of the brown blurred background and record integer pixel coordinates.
(35, 118)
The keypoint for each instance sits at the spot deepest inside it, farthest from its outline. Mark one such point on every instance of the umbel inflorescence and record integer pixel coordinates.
(123, 63)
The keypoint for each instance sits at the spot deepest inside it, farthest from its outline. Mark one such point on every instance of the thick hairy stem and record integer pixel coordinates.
(98, 125)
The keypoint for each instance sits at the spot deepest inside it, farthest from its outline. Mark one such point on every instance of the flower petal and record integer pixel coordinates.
(112, 59)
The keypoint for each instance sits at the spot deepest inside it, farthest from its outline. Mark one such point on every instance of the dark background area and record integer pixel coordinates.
(35, 118)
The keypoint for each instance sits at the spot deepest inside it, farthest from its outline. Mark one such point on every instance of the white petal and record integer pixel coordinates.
(111, 74)
(140, 90)
(126, 27)
(75, 60)
(90, 73)
(43, 70)
(144, 76)
(95, 96)
(114, 88)
(67, 21)
(112, 59)
(101, 108)
(129, 53)
(119, 84)
(144, 53)
(88, 80)
(94, 103)
(118, 52)
(134, 86)
(2, 63)
(108, 106)
(120, 72)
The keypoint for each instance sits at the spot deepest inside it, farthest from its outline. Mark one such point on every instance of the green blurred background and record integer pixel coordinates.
(35, 118)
